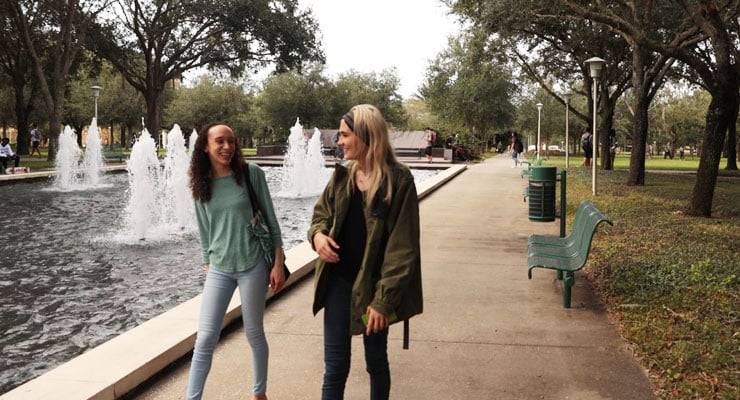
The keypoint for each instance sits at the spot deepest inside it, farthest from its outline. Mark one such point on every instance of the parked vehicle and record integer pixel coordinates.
(555, 150)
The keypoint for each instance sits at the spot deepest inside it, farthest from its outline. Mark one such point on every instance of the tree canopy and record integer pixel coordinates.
(466, 86)
(154, 42)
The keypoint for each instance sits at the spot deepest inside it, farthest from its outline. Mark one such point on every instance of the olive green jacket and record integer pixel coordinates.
(390, 275)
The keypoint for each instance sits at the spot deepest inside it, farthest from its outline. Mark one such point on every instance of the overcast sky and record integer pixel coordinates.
(372, 35)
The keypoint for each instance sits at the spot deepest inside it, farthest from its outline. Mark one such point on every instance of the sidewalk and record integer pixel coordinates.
(486, 333)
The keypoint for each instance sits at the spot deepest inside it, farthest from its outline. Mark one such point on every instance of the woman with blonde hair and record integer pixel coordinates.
(365, 229)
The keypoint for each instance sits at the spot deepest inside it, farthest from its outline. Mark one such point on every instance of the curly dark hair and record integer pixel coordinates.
(200, 165)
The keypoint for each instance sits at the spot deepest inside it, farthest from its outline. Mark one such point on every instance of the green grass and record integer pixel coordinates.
(671, 281)
(622, 162)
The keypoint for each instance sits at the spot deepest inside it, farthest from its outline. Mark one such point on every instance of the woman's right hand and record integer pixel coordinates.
(206, 267)
(325, 246)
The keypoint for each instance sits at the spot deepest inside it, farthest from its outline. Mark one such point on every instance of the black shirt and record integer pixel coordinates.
(351, 239)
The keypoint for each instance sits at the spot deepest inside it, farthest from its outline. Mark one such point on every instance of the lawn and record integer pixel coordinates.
(622, 162)
(671, 282)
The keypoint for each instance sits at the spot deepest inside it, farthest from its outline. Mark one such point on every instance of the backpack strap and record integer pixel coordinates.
(250, 189)
(406, 334)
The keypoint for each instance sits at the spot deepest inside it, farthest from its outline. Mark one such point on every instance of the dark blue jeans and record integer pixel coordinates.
(17, 160)
(338, 347)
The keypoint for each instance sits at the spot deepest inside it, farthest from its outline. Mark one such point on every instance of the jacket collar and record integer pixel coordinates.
(380, 207)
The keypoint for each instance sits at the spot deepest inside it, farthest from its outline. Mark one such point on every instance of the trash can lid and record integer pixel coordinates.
(543, 173)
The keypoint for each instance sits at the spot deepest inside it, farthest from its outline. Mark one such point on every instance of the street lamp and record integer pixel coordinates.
(567, 96)
(595, 65)
(96, 94)
(539, 113)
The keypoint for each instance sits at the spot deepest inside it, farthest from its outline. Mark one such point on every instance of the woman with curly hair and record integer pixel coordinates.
(365, 229)
(232, 256)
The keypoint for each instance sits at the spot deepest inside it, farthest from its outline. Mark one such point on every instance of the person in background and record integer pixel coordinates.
(612, 147)
(35, 140)
(338, 151)
(429, 136)
(517, 147)
(232, 256)
(365, 229)
(7, 154)
(587, 146)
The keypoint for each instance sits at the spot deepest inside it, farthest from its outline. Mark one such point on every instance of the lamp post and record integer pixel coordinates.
(96, 94)
(539, 113)
(567, 96)
(595, 65)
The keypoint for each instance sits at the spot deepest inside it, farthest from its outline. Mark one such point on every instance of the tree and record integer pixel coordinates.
(419, 115)
(155, 42)
(67, 23)
(685, 114)
(378, 89)
(704, 37)
(118, 103)
(289, 96)
(319, 102)
(464, 85)
(15, 65)
(210, 101)
(549, 45)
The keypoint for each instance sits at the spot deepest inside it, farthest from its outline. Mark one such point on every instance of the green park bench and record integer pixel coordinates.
(566, 254)
(529, 162)
(109, 156)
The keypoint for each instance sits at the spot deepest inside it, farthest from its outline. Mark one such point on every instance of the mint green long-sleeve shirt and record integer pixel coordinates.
(223, 220)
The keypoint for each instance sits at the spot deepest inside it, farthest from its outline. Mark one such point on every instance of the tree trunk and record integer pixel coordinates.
(153, 112)
(79, 130)
(606, 114)
(124, 142)
(641, 121)
(724, 100)
(732, 138)
(639, 141)
(22, 111)
(54, 130)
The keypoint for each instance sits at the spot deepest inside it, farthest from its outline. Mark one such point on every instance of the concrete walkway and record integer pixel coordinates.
(487, 332)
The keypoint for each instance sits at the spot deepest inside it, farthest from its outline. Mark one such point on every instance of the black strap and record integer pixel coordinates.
(405, 334)
(252, 194)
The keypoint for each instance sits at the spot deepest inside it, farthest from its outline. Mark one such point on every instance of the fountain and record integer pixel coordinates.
(73, 173)
(66, 163)
(159, 200)
(304, 170)
(176, 197)
(143, 177)
(92, 162)
(191, 140)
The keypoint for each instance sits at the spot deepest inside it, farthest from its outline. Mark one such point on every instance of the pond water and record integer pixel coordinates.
(68, 282)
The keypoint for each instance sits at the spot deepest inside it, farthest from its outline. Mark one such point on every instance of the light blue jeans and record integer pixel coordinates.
(217, 292)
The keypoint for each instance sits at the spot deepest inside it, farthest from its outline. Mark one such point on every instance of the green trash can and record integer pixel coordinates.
(542, 193)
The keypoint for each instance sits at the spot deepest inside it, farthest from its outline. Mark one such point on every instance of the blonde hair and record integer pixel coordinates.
(369, 124)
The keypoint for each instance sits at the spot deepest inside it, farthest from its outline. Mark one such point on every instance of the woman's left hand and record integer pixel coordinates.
(376, 321)
(277, 277)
